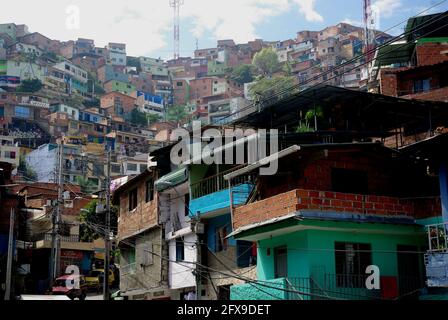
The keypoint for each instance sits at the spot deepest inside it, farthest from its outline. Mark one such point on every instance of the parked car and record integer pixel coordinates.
(95, 279)
(62, 287)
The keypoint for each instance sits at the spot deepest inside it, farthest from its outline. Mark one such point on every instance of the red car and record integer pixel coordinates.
(60, 287)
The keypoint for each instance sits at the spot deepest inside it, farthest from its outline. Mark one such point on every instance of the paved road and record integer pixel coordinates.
(90, 296)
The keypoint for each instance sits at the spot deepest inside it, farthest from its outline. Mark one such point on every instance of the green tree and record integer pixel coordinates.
(30, 86)
(243, 74)
(94, 222)
(86, 185)
(138, 118)
(177, 113)
(27, 173)
(266, 62)
(307, 124)
(153, 118)
(268, 87)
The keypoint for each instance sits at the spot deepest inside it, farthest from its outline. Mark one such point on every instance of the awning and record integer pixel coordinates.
(172, 180)
(263, 162)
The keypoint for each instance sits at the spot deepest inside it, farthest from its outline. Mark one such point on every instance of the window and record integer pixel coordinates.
(149, 191)
(180, 250)
(2, 111)
(10, 154)
(22, 112)
(132, 167)
(187, 205)
(422, 85)
(221, 239)
(179, 84)
(352, 260)
(116, 168)
(349, 181)
(132, 199)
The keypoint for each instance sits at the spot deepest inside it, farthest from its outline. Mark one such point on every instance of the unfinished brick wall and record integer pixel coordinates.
(315, 173)
(139, 219)
(431, 53)
(296, 200)
(389, 81)
(433, 95)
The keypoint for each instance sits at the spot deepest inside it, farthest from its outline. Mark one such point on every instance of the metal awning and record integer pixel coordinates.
(171, 180)
(346, 110)
(263, 162)
(296, 148)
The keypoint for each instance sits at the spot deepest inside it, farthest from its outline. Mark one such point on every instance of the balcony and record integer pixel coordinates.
(331, 203)
(212, 194)
(72, 242)
(326, 287)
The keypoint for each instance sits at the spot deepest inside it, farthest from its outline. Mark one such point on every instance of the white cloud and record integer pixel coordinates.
(387, 8)
(145, 25)
(307, 8)
(353, 22)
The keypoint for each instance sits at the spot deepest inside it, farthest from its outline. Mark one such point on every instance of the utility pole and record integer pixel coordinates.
(107, 236)
(10, 255)
(56, 220)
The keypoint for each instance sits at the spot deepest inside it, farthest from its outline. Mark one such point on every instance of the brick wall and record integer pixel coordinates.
(293, 201)
(143, 217)
(433, 95)
(315, 173)
(431, 53)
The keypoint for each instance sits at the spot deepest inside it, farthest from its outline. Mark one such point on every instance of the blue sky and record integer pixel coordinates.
(146, 25)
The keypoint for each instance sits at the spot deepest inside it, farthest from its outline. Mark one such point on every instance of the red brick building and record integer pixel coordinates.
(117, 104)
(426, 80)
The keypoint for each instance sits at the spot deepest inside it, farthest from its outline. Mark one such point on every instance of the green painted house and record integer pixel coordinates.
(329, 215)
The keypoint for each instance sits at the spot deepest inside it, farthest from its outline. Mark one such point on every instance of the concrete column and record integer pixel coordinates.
(443, 179)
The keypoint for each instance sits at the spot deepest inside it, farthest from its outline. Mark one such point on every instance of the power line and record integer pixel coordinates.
(296, 86)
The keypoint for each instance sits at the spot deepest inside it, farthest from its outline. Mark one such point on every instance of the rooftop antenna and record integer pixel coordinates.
(176, 4)
(370, 26)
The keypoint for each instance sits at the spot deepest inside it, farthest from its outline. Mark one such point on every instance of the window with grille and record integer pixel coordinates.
(352, 260)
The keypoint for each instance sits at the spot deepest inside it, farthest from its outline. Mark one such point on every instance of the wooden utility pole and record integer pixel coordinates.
(10, 255)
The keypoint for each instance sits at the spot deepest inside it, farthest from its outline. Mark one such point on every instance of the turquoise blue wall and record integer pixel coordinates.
(312, 251)
(218, 222)
(220, 200)
(268, 291)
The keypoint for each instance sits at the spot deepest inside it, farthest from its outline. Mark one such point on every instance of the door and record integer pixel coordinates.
(409, 276)
(281, 262)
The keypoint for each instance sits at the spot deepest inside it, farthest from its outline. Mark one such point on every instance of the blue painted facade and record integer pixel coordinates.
(150, 97)
(220, 200)
(443, 179)
(216, 223)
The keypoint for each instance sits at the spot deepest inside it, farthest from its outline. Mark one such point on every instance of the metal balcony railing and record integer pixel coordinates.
(347, 287)
(211, 184)
(48, 237)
